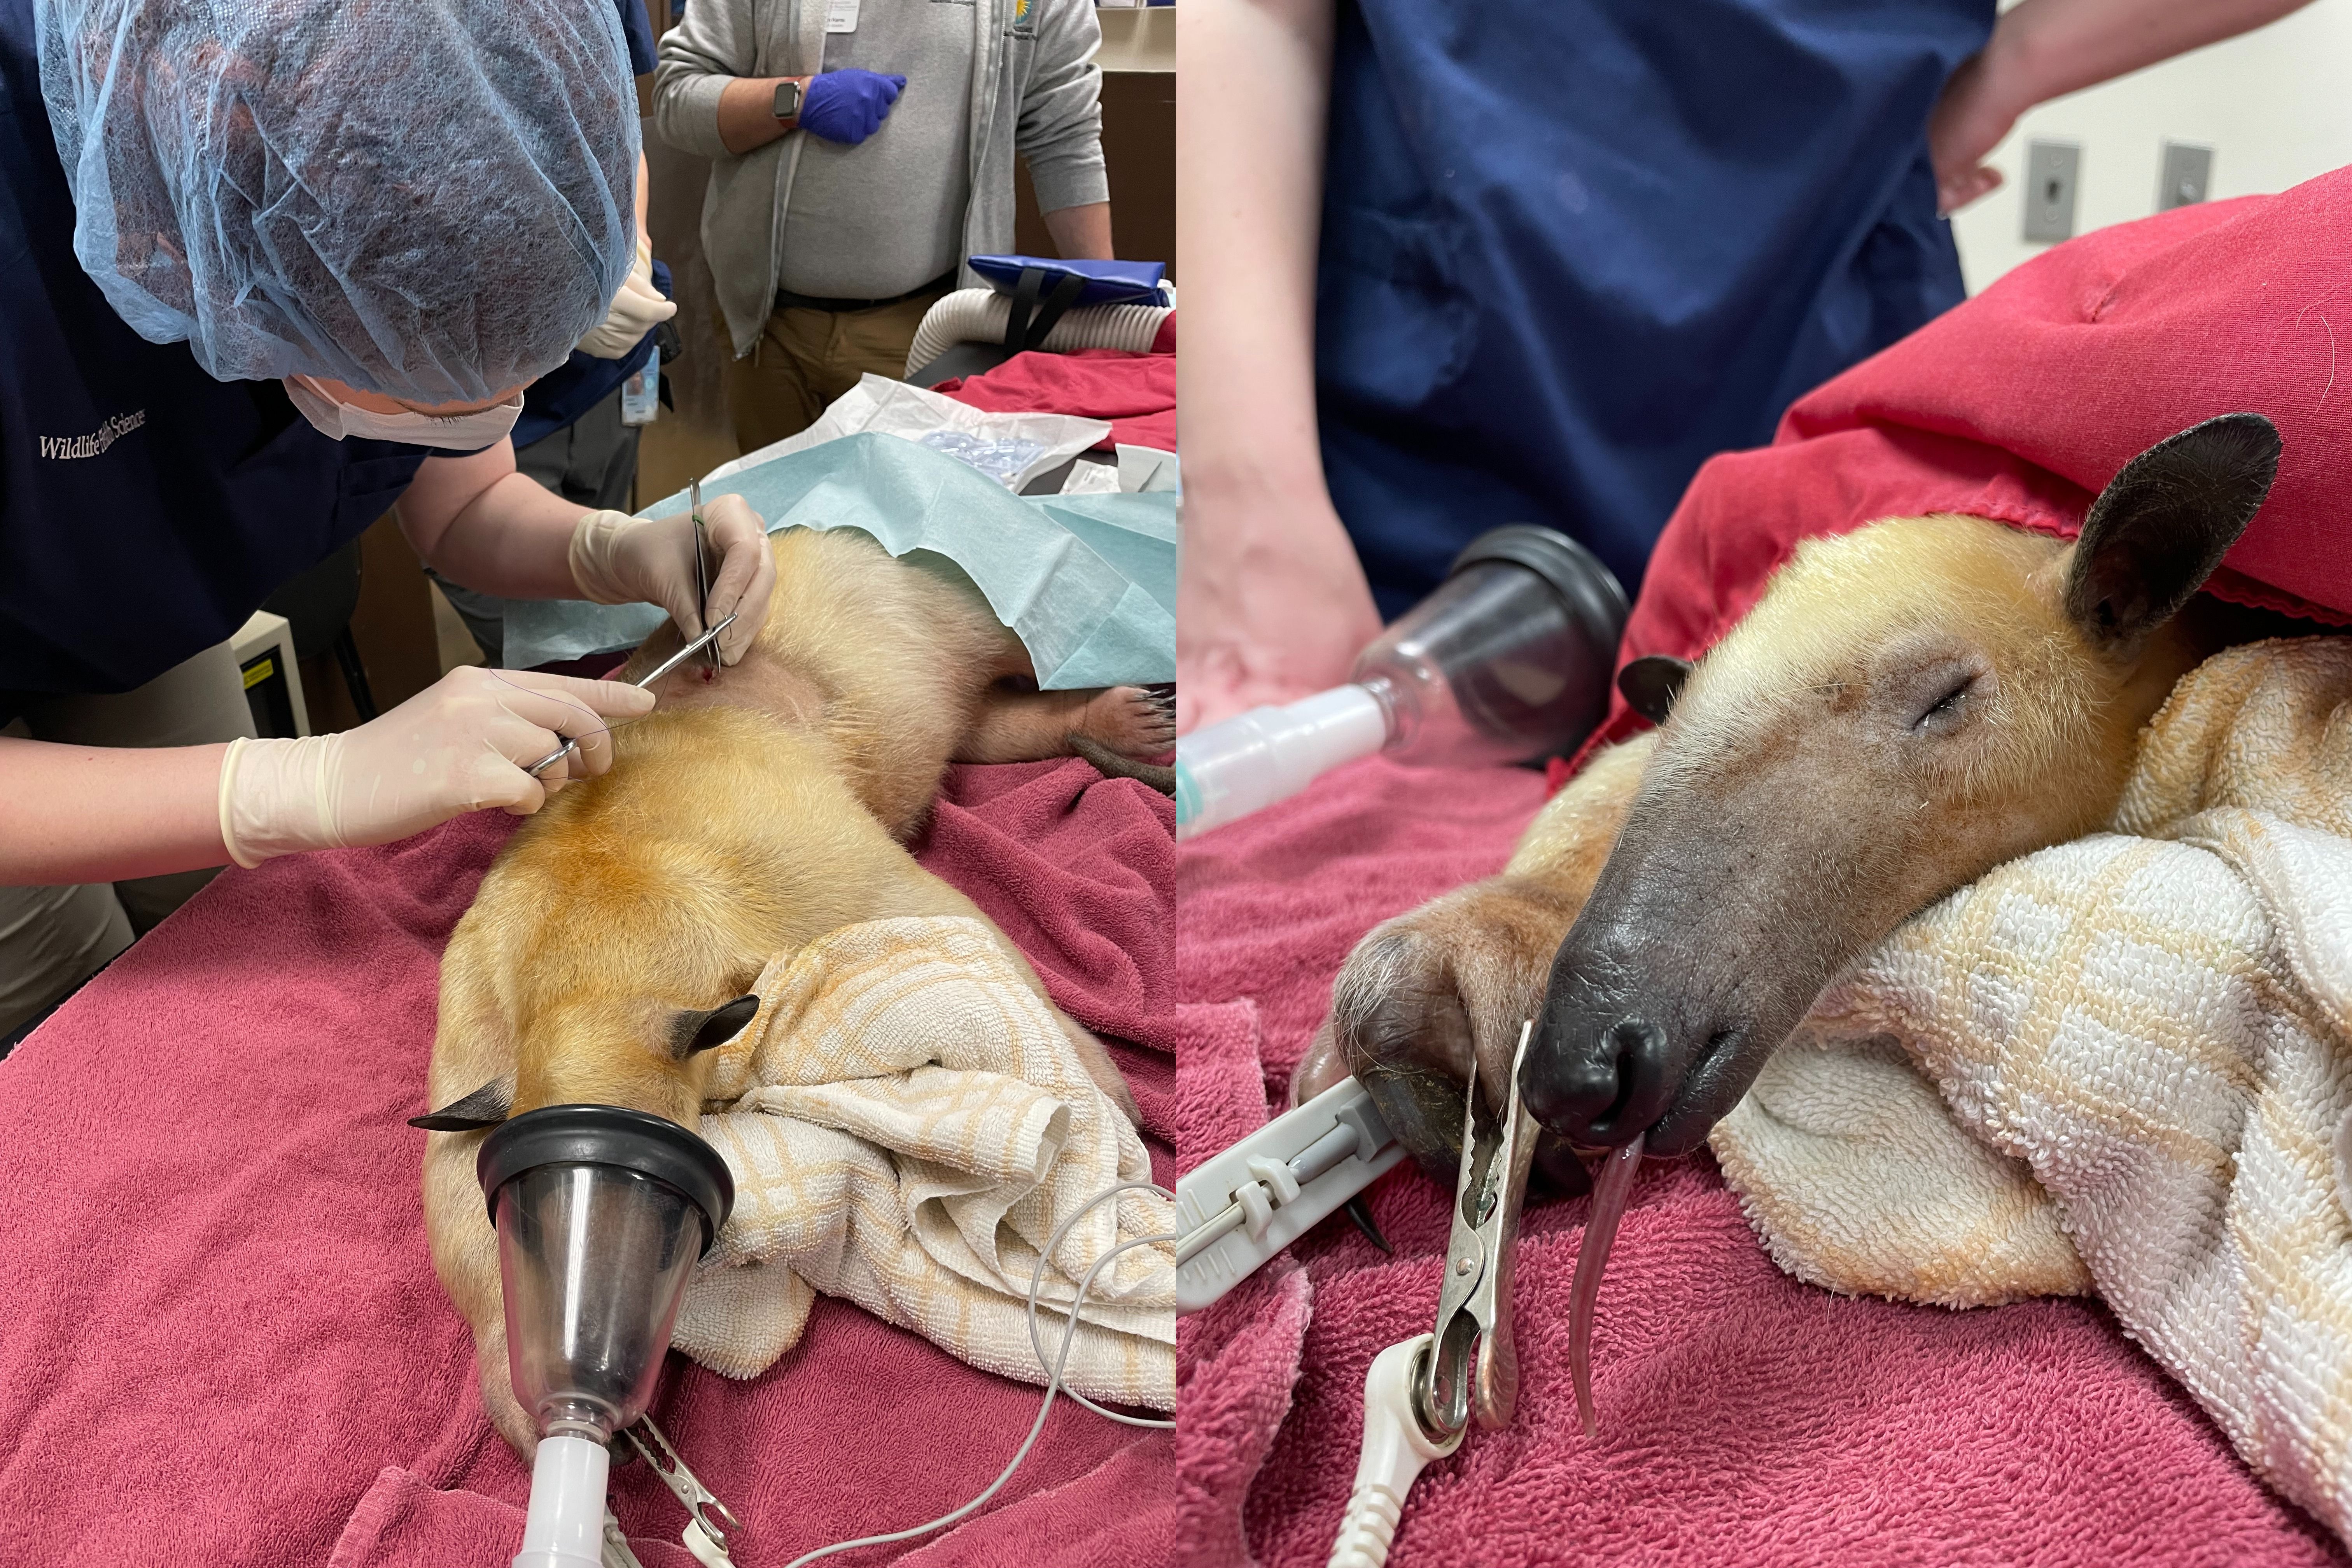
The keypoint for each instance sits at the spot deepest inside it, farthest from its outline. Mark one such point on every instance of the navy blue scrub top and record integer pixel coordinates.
(1571, 250)
(146, 508)
(561, 397)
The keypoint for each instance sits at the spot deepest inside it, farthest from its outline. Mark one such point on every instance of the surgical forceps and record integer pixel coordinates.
(701, 562)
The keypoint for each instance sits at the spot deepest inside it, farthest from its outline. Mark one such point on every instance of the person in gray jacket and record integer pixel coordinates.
(861, 150)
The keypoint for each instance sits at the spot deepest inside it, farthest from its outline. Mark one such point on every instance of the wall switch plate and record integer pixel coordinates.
(2051, 168)
(2188, 177)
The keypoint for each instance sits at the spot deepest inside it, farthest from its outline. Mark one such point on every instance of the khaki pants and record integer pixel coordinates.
(53, 939)
(806, 358)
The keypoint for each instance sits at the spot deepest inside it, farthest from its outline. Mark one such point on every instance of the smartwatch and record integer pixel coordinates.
(788, 100)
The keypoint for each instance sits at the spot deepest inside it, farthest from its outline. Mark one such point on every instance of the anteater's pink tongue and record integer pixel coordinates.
(1609, 1189)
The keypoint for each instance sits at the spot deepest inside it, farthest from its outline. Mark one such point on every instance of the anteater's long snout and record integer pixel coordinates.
(1650, 1050)
(1600, 1080)
(1606, 1068)
(1902, 712)
(1671, 989)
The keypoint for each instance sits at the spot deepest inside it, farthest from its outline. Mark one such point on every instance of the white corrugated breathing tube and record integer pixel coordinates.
(979, 316)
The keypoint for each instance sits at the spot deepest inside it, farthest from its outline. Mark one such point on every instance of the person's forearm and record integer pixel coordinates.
(747, 112)
(1081, 232)
(484, 526)
(2056, 46)
(93, 813)
(709, 46)
(1253, 85)
(644, 237)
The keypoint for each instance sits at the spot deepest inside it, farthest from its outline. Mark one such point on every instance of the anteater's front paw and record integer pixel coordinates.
(1423, 994)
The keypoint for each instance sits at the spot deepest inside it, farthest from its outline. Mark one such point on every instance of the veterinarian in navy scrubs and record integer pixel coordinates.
(270, 269)
(1535, 260)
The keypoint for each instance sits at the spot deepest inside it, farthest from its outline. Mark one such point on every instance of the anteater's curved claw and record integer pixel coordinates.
(1361, 1213)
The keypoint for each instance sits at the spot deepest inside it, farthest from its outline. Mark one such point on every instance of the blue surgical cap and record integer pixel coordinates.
(431, 199)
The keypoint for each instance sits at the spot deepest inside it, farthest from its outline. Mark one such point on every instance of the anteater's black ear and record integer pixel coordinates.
(486, 1106)
(1651, 683)
(2159, 529)
(695, 1032)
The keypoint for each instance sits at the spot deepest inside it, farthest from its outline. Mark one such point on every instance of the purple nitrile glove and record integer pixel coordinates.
(849, 106)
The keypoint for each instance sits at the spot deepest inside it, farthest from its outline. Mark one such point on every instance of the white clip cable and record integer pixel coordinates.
(1053, 1375)
(616, 1552)
(710, 1553)
(1395, 1450)
(709, 1523)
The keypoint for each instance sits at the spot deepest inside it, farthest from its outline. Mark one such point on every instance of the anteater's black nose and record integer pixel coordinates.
(1598, 1087)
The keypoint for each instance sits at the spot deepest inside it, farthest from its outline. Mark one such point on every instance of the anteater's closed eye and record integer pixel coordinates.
(1945, 711)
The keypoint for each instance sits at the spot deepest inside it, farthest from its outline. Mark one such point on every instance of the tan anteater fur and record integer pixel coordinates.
(1907, 707)
(747, 815)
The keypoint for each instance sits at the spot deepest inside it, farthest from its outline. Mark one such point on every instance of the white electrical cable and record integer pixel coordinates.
(1054, 1374)
(1036, 1276)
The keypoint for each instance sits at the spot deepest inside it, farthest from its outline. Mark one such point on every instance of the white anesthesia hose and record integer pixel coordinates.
(566, 1526)
(1250, 761)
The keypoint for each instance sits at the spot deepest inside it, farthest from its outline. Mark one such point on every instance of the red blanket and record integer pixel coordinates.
(2021, 403)
(1745, 1418)
(224, 1343)
(1137, 393)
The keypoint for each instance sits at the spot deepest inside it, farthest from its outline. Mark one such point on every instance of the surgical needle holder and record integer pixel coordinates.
(664, 668)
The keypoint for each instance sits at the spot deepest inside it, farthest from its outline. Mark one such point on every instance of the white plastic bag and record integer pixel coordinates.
(1010, 448)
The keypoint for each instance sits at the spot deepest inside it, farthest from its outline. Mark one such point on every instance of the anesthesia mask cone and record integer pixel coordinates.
(1507, 661)
(600, 1213)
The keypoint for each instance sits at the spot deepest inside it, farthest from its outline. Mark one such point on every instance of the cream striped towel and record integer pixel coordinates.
(2121, 1065)
(907, 1125)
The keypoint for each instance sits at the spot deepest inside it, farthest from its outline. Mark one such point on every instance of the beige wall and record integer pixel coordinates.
(2275, 105)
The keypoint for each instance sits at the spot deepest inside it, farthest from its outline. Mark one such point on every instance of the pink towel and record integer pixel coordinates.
(223, 1343)
(1745, 1418)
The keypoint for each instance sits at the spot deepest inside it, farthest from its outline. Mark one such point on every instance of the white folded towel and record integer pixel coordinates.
(908, 1125)
(2141, 1051)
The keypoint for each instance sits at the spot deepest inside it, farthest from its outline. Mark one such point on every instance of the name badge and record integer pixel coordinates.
(841, 15)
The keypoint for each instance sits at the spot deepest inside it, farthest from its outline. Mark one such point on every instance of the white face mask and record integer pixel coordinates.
(448, 433)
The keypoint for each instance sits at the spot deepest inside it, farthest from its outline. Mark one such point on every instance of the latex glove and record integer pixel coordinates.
(1272, 606)
(849, 105)
(636, 309)
(1980, 104)
(621, 560)
(459, 745)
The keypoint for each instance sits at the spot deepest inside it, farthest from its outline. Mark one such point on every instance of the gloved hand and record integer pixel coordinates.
(636, 309)
(458, 745)
(620, 560)
(847, 106)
